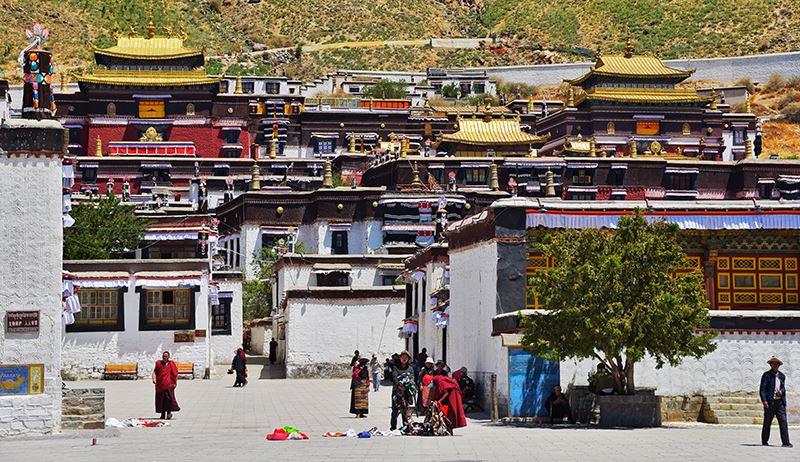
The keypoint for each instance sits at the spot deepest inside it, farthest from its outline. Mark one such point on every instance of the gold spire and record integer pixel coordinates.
(713, 104)
(633, 148)
(351, 147)
(238, 89)
(98, 147)
(592, 146)
(273, 148)
(748, 148)
(64, 87)
(255, 177)
(747, 108)
(629, 48)
(327, 175)
(416, 183)
(549, 184)
(571, 97)
(494, 182)
(404, 147)
(530, 104)
(151, 28)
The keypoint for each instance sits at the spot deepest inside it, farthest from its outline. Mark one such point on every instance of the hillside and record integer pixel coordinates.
(563, 28)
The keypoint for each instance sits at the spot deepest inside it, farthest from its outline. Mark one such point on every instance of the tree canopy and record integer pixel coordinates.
(104, 228)
(618, 296)
(257, 290)
(386, 89)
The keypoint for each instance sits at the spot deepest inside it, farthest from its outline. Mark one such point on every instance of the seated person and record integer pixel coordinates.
(557, 405)
(601, 382)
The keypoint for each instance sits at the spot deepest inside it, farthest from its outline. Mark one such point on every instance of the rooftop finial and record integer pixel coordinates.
(570, 97)
(151, 28)
(629, 47)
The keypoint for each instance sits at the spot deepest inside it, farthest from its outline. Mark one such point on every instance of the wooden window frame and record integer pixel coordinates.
(189, 324)
(118, 326)
(225, 305)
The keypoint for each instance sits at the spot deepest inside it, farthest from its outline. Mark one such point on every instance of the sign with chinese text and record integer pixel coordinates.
(21, 379)
(22, 321)
(184, 336)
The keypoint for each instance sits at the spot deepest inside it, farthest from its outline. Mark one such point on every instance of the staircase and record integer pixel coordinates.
(733, 408)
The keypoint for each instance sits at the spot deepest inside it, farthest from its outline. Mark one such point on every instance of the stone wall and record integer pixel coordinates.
(83, 409)
(757, 67)
(30, 263)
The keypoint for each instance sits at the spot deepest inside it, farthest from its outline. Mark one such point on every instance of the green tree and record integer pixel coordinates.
(386, 89)
(615, 296)
(257, 291)
(450, 90)
(104, 228)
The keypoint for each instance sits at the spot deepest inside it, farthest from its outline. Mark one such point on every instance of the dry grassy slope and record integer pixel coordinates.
(671, 28)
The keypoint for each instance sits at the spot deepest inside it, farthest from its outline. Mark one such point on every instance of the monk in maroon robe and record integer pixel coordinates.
(446, 391)
(165, 377)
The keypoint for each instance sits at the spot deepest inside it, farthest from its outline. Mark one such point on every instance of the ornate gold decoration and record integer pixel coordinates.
(151, 28)
(611, 128)
(150, 135)
(327, 175)
(629, 49)
(494, 181)
(255, 180)
(685, 130)
(190, 111)
(655, 148)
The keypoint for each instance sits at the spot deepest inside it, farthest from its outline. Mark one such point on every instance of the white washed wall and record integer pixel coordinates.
(85, 354)
(325, 332)
(249, 243)
(30, 279)
(473, 294)
(430, 336)
(223, 346)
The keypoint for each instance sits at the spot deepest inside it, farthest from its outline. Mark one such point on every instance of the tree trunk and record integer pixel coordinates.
(630, 388)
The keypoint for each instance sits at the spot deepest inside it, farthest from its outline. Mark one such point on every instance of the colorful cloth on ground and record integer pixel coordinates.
(286, 433)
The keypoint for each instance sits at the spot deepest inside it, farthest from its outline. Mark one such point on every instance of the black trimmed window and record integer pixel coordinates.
(475, 176)
(339, 243)
(89, 175)
(324, 146)
(739, 135)
(167, 309)
(101, 310)
(333, 279)
(221, 317)
(231, 136)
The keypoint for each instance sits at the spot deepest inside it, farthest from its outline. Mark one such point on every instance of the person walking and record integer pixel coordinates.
(239, 365)
(165, 378)
(359, 389)
(354, 361)
(273, 351)
(773, 396)
(375, 368)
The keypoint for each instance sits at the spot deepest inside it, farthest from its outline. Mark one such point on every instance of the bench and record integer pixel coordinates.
(121, 371)
(186, 369)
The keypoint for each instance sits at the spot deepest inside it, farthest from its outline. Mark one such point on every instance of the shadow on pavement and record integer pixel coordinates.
(268, 371)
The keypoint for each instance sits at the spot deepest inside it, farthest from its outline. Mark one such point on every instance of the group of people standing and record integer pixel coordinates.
(415, 386)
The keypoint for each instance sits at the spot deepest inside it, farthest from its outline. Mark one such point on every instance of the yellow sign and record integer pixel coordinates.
(150, 109)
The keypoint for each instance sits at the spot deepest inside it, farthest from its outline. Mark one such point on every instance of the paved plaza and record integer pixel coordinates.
(218, 422)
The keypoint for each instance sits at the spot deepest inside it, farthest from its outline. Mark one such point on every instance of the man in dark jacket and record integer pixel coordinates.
(773, 397)
(403, 389)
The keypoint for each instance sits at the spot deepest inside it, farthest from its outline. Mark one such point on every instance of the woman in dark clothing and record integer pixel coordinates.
(239, 365)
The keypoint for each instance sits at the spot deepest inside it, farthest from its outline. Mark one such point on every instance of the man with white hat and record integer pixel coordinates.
(773, 397)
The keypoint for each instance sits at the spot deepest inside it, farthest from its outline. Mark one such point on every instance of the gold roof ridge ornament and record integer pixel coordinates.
(629, 49)
(150, 136)
(151, 28)
(416, 183)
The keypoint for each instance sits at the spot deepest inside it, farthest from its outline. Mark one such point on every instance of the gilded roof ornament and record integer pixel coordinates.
(629, 50)
(151, 28)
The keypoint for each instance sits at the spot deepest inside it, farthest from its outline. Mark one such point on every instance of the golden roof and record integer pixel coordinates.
(468, 109)
(487, 131)
(148, 78)
(644, 95)
(641, 67)
(148, 48)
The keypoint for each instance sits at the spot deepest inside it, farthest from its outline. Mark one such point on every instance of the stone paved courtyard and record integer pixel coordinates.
(223, 423)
